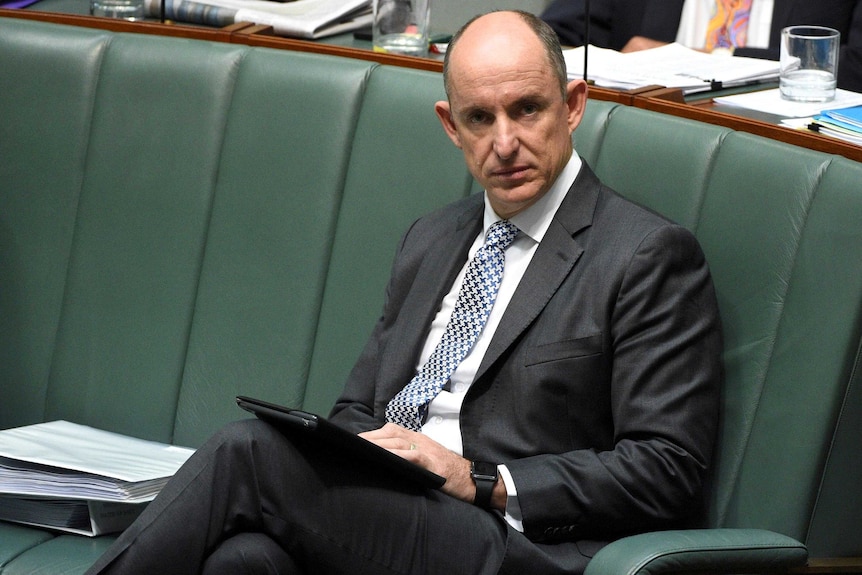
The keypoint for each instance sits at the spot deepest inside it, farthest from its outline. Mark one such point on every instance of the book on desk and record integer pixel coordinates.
(844, 124)
(671, 66)
(307, 19)
(79, 479)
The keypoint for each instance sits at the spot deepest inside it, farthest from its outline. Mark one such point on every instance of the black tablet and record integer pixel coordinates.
(296, 421)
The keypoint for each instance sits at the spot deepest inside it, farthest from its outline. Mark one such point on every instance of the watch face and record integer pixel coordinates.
(484, 471)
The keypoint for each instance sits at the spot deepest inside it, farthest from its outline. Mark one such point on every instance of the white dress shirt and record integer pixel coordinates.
(443, 422)
(696, 15)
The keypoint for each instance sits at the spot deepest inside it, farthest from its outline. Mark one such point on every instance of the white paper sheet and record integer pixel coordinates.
(771, 102)
(671, 66)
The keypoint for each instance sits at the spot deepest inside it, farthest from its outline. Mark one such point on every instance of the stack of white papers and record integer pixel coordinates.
(672, 66)
(61, 469)
(309, 19)
(771, 102)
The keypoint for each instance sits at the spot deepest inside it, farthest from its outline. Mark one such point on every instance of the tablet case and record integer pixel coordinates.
(296, 421)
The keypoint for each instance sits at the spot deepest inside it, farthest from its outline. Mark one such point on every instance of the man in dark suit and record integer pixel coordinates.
(613, 23)
(585, 410)
(629, 25)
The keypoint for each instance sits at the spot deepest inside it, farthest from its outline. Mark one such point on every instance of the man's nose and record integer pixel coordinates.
(505, 140)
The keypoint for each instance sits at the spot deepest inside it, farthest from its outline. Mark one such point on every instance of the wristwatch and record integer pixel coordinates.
(484, 475)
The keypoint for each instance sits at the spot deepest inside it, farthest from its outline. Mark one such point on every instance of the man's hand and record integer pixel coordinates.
(638, 43)
(427, 453)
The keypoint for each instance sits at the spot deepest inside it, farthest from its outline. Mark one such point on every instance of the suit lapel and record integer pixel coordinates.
(551, 264)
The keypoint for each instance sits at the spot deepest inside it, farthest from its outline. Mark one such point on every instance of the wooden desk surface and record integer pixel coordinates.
(752, 122)
(73, 12)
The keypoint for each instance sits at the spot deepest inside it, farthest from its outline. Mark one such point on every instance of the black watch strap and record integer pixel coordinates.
(484, 475)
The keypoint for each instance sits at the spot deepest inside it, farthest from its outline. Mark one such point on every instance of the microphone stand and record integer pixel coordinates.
(586, 35)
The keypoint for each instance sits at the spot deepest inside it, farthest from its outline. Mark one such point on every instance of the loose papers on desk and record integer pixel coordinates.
(672, 66)
(310, 19)
(771, 102)
(52, 473)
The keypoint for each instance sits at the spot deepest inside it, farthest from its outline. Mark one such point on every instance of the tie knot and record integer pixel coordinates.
(501, 234)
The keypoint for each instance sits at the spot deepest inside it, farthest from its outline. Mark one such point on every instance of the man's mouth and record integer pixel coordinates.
(512, 173)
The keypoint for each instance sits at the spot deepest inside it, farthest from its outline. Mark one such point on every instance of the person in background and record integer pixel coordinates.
(749, 28)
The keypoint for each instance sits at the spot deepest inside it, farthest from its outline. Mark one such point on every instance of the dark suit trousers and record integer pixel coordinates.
(251, 497)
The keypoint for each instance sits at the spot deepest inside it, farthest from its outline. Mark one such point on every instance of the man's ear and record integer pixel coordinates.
(576, 102)
(444, 113)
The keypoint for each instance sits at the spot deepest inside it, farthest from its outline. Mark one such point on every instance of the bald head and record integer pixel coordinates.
(498, 33)
(509, 108)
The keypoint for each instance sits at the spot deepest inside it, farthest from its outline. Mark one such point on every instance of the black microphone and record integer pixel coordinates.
(586, 35)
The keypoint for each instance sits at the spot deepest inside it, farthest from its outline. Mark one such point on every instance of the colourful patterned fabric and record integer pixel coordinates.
(729, 24)
(475, 300)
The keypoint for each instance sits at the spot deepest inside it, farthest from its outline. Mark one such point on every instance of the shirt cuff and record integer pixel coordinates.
(513, 507)
(722, 51)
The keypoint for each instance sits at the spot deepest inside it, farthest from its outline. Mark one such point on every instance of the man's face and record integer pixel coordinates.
(507, 114)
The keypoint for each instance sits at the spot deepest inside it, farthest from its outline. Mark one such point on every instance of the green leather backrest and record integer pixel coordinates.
(43, 145)
(752, 246)
(673, 181)
(813, 385)
(283, 165)
(590, 133)
(829, 260)
(788, 276)
(151, 168)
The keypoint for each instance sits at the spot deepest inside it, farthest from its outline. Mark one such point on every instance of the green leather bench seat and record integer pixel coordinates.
(184, 221)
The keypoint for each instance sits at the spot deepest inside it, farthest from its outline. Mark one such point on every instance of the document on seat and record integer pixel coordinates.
(64, 459)
(90, 518)
(672, 66)
(310, 19)
(80, 479)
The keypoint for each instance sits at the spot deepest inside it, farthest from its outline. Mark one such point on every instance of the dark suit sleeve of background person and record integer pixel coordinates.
(843, 15)
(603, 404)
(614, 22)
(850, 62)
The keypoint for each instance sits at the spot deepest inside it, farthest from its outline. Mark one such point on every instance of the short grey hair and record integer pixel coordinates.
(546, 35)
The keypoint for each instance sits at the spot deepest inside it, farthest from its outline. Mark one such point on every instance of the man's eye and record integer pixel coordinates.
(477, 118)
(530, 109)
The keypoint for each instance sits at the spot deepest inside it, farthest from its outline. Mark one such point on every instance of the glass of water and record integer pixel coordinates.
(123, 9)
(401, 26)
(809, 63)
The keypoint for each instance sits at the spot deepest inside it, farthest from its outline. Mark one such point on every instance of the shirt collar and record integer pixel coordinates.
(535, 220)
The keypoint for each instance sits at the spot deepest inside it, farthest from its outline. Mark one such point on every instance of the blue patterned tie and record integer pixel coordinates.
(475, 300)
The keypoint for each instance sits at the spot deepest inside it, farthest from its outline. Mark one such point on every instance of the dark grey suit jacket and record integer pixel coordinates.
(599, 390)
(614, 22)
